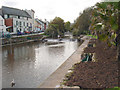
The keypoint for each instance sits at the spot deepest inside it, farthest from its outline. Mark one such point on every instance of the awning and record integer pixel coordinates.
(8, 27)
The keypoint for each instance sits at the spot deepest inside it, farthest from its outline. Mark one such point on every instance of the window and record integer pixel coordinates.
(16, 22)
(18, 17)
(5, 16)
(20, 23)
(27, 24)
(11, 16)
(24, 23)
(1, 22)
(31, 24)
(16, 29)
(8, 16)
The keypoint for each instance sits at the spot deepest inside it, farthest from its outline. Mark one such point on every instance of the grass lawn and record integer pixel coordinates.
(93, 36)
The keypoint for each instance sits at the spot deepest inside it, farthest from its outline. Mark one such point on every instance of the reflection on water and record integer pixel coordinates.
(30, 64)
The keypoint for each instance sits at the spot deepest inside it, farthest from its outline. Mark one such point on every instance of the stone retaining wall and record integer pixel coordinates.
(21, 39)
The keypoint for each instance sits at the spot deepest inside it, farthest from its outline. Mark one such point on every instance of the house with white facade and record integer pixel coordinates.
(17, 20)
(31, 13)
(2, 23)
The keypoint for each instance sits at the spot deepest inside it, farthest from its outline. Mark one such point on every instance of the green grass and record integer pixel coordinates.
(42, 34)
(114, 43)
(115, 88)
(93, 36)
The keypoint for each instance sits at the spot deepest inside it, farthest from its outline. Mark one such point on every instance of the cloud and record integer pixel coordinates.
(50, 12)
(67, 9)
(11, 3)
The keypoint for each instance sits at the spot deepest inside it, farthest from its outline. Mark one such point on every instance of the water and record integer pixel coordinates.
(31, 63)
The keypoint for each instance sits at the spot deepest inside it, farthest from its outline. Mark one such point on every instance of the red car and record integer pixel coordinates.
(27, 32)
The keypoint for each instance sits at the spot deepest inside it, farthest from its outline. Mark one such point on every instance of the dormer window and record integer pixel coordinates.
(18, 17)
(6, 16)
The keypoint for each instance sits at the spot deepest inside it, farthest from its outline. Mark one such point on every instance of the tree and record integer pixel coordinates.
(82, 23)
(67, 26)
(56, 27)
(104, 21)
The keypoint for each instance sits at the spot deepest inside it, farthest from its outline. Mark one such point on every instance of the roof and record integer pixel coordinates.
(39, 21)
(14, 11)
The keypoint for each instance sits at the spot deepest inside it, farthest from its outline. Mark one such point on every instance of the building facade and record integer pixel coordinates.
(2, 25)
(17, 20)
(37, 25)
(46, 24)
(41, 25)
(31, 13)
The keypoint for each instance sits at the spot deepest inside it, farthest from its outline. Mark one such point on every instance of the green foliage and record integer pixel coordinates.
(93, 36)
(115, 88)
(114, 27)
(105, 13)
(67, 26)
(98, 27)
(75, 32)
(56, 27)
(82, 23)
(103, 37)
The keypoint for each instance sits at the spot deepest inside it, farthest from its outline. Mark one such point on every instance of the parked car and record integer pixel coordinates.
(31, 32)
(22, 33)
(26, 32)
(19, 33)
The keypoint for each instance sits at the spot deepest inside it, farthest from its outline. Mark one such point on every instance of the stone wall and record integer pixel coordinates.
(21, 39)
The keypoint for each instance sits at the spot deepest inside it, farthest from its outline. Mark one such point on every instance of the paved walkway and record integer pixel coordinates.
(55, 78)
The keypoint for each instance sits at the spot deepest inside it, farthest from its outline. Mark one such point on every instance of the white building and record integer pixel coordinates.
(2, 25)
(16, 20)
(31, 13)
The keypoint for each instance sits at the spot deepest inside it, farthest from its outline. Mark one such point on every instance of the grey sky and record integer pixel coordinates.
(48, 9)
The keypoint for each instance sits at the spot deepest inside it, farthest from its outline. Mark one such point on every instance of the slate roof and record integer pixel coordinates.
(39, 21)
(14, 11)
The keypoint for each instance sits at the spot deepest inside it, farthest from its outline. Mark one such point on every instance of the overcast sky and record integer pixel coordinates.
(48, 9)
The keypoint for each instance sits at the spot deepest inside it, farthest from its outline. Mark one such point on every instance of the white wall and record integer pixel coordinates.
(31, 13)
(2, 24)
(22, 26)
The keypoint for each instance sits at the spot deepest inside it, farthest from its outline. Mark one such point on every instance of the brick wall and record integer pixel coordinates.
(9, 22)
